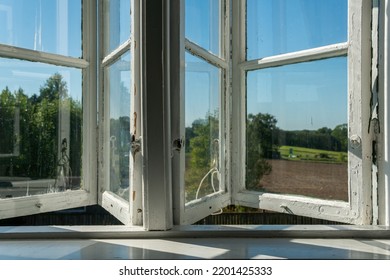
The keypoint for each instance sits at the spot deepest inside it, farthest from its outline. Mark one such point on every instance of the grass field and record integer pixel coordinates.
(300, 153)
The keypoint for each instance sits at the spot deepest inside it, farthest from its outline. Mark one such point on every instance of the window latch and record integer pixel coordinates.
(135, 146)
(178, 144)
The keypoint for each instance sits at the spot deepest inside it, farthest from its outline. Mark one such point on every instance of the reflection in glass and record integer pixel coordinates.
(118, 81)
(118, 22)
(297, 129)
(281, 26)
(40, 128)
(42, 25)
(202, 109)
(203, 24)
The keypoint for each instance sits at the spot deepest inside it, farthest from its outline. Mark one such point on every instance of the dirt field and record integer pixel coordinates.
(319, 180)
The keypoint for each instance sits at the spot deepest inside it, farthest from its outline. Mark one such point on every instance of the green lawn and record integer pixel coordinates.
(300, 153)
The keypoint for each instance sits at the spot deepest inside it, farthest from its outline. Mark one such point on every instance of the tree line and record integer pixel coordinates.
(263, 140)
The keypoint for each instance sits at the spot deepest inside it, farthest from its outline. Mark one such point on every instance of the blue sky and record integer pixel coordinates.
(301, 96)
(42, 25)
(52, 26)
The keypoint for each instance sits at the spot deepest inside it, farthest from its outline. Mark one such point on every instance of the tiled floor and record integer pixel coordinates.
(196, 248)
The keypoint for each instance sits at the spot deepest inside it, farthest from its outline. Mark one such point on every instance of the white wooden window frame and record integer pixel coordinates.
(382, 195)
(358, 50)
(128, 212)
(22, 206)
(190, 212)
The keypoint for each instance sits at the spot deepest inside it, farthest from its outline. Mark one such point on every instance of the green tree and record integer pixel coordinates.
(7, 115)
(340, 132)
(54, 88)
(262, 142)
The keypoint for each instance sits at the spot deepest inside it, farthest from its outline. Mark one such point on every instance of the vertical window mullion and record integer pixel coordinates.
(156, 138)
(89, 37)
(359, 91)
(238, 123)
(136, 162)
(384, 114)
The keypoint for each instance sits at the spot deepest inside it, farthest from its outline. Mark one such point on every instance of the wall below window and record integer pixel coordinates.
(261, 218)
(90, 215)
(96, 215)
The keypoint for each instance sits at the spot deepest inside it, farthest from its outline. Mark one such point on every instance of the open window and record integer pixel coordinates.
(70, 113)
(164, 113)
(120, 161)
(46, 72)
(290, 96)
(303, 71)
(203, 177)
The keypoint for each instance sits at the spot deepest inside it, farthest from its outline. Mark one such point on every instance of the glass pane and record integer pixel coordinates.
(117, 20)
(118, 83)
(40, 128)
(42, 25)
(202, 109)
(203, 24)
(281, 26)
(297, 129)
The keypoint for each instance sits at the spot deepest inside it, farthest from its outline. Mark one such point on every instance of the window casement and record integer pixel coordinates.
(119, 120)
(202, 161)
(304, 86)
(297, 74)
(112, 150)
(47, 68)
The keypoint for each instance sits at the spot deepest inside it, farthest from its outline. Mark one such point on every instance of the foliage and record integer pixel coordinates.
(37, 139)
(202, 154)
(323, 138)
(340, 133)
(264, 141)
(261, 142)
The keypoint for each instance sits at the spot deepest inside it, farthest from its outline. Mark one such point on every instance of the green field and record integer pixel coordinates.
(300, 153)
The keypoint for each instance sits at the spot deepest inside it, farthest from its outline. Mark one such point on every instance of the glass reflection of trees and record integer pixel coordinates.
(265, 142)
(32, 125)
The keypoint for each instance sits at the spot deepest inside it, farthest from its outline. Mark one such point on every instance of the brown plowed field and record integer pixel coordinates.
(319, 180)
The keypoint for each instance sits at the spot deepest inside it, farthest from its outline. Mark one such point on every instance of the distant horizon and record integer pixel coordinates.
(203, 120)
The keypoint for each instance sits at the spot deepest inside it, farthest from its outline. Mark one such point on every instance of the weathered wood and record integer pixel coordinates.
(37, 56)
